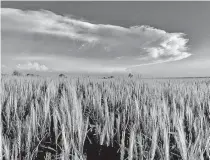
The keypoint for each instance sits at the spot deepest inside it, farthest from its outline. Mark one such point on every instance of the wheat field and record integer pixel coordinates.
(146, 119)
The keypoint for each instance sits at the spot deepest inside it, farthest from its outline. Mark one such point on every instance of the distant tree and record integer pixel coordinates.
(130, 75)
(16, 73)
(108, 77)
(29, 74)
(62, 75)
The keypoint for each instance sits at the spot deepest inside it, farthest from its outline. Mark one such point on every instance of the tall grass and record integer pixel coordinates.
(145, 119)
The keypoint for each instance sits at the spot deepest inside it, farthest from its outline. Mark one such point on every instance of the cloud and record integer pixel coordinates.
(3, 66)
(25, 57)
(112, 45)
(32, 66)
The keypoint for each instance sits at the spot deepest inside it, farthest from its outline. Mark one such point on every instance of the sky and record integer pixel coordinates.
(159, 39)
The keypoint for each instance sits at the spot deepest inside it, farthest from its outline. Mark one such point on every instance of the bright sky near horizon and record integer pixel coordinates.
(162, 39)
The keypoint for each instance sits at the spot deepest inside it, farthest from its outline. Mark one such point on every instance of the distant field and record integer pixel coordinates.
(166, 119)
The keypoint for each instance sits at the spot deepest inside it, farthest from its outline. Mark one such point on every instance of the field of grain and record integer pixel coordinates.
(145, 119)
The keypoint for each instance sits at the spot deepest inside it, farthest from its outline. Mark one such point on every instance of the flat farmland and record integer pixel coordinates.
(145, 119)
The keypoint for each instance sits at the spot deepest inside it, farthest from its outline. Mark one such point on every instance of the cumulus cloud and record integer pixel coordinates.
(3, 66)
(118, 46)
(32, 66)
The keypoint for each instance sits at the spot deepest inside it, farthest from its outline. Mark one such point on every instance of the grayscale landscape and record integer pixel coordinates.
(105, 80)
